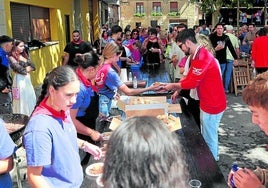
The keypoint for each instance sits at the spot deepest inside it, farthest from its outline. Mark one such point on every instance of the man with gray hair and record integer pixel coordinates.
(6, 44)
(230, 59)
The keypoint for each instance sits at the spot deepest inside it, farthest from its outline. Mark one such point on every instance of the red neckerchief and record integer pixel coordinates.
(77, 42)
(43, 108)
(85, 81)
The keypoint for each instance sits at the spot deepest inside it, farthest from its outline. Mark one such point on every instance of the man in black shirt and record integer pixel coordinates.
(75, 47)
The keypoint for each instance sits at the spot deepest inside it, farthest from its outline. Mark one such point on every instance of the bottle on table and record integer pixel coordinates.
(130, 76)
(233, 170)
(135, 82)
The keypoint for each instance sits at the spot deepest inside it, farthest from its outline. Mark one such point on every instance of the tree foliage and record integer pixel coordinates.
(212, 6)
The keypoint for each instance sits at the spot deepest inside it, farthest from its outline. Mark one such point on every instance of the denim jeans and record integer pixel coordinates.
(104, 105)
(226, 71)
(209, 129)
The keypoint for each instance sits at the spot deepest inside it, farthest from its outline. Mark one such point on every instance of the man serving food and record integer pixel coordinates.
(204, 75)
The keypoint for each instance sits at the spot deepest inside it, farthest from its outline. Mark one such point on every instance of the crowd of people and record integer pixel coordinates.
(67, 119)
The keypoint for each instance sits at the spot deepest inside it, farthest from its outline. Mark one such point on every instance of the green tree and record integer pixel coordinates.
(213, 6)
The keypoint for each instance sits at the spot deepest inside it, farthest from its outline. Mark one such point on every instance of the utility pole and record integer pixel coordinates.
(238, 15)
(265, 11)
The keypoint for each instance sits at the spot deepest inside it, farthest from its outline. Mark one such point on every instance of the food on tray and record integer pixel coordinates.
(140, 100)
(171, 121)
(156, 83)
(95, 169)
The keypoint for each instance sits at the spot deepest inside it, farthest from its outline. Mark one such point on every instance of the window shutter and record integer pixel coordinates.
(20, 21)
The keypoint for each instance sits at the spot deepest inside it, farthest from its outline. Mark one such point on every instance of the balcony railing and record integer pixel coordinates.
(137, 14)
(173, 13)
(156, 13)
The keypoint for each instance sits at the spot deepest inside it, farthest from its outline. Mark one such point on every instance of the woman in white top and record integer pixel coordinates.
(24, 98)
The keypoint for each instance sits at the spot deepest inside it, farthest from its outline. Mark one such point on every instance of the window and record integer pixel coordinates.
(157, 7)
(139, 8)
(30, 22)
(173, 7)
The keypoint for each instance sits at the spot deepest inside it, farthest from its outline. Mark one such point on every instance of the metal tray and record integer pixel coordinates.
(18, 119)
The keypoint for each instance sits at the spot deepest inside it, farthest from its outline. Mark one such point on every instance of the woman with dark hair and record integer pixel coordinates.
(137, 157)
(135, 34)
(24, 97)
(50, 138)
(104, 40)
(85, 111)
(152, 48)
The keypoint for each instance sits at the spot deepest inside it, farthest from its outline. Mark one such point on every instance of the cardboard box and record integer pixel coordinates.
(157, 106)
(151, 106)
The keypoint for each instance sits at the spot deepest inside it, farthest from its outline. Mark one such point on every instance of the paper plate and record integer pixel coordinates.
(94, 169)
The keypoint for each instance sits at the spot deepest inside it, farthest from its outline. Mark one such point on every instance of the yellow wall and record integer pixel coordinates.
(49, 57)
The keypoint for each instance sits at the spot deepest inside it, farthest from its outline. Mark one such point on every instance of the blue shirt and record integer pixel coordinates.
(52, 143)
(7, 148)
(112, 83)
(83, 100)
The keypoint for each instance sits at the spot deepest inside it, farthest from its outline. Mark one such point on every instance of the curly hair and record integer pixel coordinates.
(142, 152)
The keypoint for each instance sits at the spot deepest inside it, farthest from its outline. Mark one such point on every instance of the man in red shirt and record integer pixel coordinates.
(259, 51)
(204, 75)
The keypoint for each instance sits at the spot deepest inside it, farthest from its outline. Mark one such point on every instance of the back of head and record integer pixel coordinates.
(229, 28)
(87, 60)
(256, 92)
(262, 32)
(143, 153)
(109, 50)
(57, 77)
(205, 42)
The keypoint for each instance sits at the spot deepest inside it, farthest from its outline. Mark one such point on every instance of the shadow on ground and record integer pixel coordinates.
(240, 141)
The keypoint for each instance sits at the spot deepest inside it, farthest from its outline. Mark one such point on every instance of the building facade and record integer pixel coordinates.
(52, 23)
(151, 13)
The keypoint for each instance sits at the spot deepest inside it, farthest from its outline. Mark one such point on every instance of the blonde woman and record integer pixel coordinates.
(108, 81)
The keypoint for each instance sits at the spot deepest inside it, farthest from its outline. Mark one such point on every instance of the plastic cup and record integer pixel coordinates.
(194, 183)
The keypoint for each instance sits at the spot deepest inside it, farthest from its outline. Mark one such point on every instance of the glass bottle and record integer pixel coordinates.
(135, 82)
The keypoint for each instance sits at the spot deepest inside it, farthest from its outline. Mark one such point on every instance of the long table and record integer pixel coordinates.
(201, 164)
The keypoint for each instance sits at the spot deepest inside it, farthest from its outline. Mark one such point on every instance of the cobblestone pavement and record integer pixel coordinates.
(239, 140)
